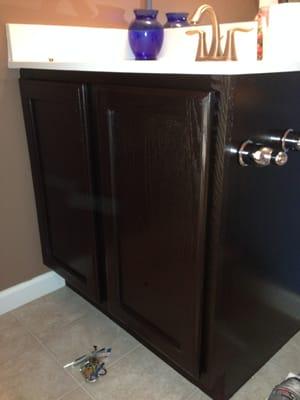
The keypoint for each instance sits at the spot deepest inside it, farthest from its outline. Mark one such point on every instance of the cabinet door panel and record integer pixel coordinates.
(154, 146)
(58, 136)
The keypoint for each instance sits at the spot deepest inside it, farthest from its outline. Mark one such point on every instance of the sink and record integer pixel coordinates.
(65, 44)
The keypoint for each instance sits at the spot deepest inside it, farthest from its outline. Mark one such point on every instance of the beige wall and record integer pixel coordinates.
(20, 254)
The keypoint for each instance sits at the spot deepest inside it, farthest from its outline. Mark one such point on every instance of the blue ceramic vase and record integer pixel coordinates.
(146, 35)
(177, 20)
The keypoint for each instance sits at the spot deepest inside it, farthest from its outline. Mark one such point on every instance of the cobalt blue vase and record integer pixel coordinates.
(146, 35)
(177, 20)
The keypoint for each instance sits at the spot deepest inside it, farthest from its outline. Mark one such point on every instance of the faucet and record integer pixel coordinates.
(215, 52)
(230, 50)
(202, 53)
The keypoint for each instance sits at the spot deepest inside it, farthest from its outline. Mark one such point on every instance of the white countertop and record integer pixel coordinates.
(164, 67)
(107, 50)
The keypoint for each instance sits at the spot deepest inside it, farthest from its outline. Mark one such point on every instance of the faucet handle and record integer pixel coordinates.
(202, 51)
(230, 49)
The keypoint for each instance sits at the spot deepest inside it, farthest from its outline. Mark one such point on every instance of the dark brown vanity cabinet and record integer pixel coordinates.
(146, 210)
(146, 151)
(154, 163)
(58, 133)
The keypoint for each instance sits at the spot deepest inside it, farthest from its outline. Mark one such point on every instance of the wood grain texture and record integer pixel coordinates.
(253, 256)
(194, 243)
(58, 137)
(158, 191)
(213, 376)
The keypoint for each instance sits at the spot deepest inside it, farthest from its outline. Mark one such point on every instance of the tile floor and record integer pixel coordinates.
(37, 339)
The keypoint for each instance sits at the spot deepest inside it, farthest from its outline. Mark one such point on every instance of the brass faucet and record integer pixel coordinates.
(215, 53)
(202, 53)
(230, 50)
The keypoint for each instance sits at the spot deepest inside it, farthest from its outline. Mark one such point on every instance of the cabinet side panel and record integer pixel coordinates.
(258, 300)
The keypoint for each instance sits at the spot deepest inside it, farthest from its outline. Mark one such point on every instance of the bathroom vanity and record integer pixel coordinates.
(145, 203)
(145, 209)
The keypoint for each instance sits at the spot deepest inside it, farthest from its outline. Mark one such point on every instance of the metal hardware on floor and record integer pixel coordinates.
(92, 364)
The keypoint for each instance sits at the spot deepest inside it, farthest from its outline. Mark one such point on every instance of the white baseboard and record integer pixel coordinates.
(25, 292)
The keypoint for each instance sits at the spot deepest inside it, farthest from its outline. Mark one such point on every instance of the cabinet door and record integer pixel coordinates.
(153, 146)
(59, 144)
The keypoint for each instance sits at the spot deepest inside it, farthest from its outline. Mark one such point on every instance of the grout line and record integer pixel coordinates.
(109, 367)
(86, 391)
(67, 394)
(79, 383)
(113, 364)
(51, 354)
(10, 314)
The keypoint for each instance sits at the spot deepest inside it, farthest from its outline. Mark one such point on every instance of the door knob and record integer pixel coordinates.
(279, 158)
(251, 153)
(291, 140)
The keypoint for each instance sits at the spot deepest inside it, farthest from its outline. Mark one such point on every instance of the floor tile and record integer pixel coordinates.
(68, 326)
(33, 375)
(296, 340)
(14, 340)
(288, 358)
(79, 337)
(6, 320)
(52, 311)
(247, 393)
(199, 395)
(77, 394)
(141, 375)
(271, 373)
